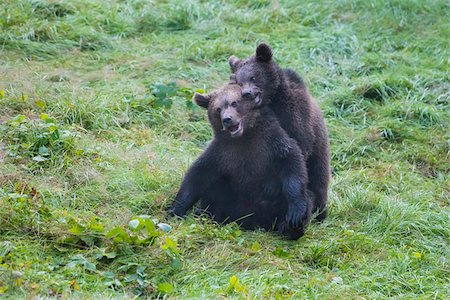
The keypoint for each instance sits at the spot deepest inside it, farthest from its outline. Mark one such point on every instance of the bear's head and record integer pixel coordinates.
(230, 114)
(259, 76)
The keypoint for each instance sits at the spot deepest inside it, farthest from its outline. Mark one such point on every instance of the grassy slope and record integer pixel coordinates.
(379, 70)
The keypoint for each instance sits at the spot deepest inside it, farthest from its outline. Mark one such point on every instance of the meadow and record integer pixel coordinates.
(97, 129)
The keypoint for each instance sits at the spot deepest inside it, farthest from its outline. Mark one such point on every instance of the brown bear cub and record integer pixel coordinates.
(287, 96)
(252, 172)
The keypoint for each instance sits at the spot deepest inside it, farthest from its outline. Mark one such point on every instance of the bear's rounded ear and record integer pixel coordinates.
(234, 62)
(202, 99)
(263, 53)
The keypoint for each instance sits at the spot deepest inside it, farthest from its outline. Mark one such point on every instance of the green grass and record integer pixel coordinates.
(94, 134)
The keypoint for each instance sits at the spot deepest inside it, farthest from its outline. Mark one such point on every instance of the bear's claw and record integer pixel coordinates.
(296, 218)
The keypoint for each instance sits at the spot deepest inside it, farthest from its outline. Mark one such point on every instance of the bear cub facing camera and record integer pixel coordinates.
(252, 172)
(262, 79)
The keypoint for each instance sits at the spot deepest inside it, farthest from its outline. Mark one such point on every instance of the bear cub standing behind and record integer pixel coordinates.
(285, 93)
(252, 172)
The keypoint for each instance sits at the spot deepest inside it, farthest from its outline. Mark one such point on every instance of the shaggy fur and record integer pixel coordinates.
(252, 172)
(286, 94)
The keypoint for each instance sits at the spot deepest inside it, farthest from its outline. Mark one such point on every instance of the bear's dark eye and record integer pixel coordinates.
(252, 78)
(218, 109)
(234, 104)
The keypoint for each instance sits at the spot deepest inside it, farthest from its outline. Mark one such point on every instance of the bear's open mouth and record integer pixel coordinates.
(235, 129)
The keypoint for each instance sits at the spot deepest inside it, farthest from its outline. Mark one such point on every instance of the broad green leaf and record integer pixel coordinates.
(19, 118)
(97, 227)
(280, 252)
(186, 93)
(234, 280)
(165, 288)
(256, 246)
(149, 226)
(104, 253)
(110, 254)
(135, 224)
(52, 128)
(89, 240)
(163, 91)
(77, 229)
(43, 151)
(131, 277)
(109, 275)
(165, 227)
(89, 266)
(39, 158)
(78, 257)
(163, 94)
(176, 264)
(140, 270)
(236, 286)
(40, 104)
(119, 234)
(170, 245)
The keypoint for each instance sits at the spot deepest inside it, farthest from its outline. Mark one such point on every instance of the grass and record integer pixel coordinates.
(95, 138)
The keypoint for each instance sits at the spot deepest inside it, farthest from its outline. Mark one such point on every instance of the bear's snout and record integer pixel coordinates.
(234, 127)
(247, 94)
(250, 94)
(227, 121)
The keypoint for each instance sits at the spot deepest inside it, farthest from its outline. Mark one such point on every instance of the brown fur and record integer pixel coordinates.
(286, 94)
(256, 176)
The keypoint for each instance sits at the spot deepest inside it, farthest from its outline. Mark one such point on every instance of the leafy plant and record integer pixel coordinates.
(27, 212)
(39, 139)
(165, 93)
(236, 287)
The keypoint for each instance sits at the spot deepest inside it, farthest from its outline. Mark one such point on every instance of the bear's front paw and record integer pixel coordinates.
(175, 211)
(291, 233)
(296, 217)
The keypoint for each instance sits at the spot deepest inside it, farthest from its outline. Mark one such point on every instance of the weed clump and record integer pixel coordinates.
(93, 247)
(376, 90)
(381, 88)
(48, 10)
(40, 139)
